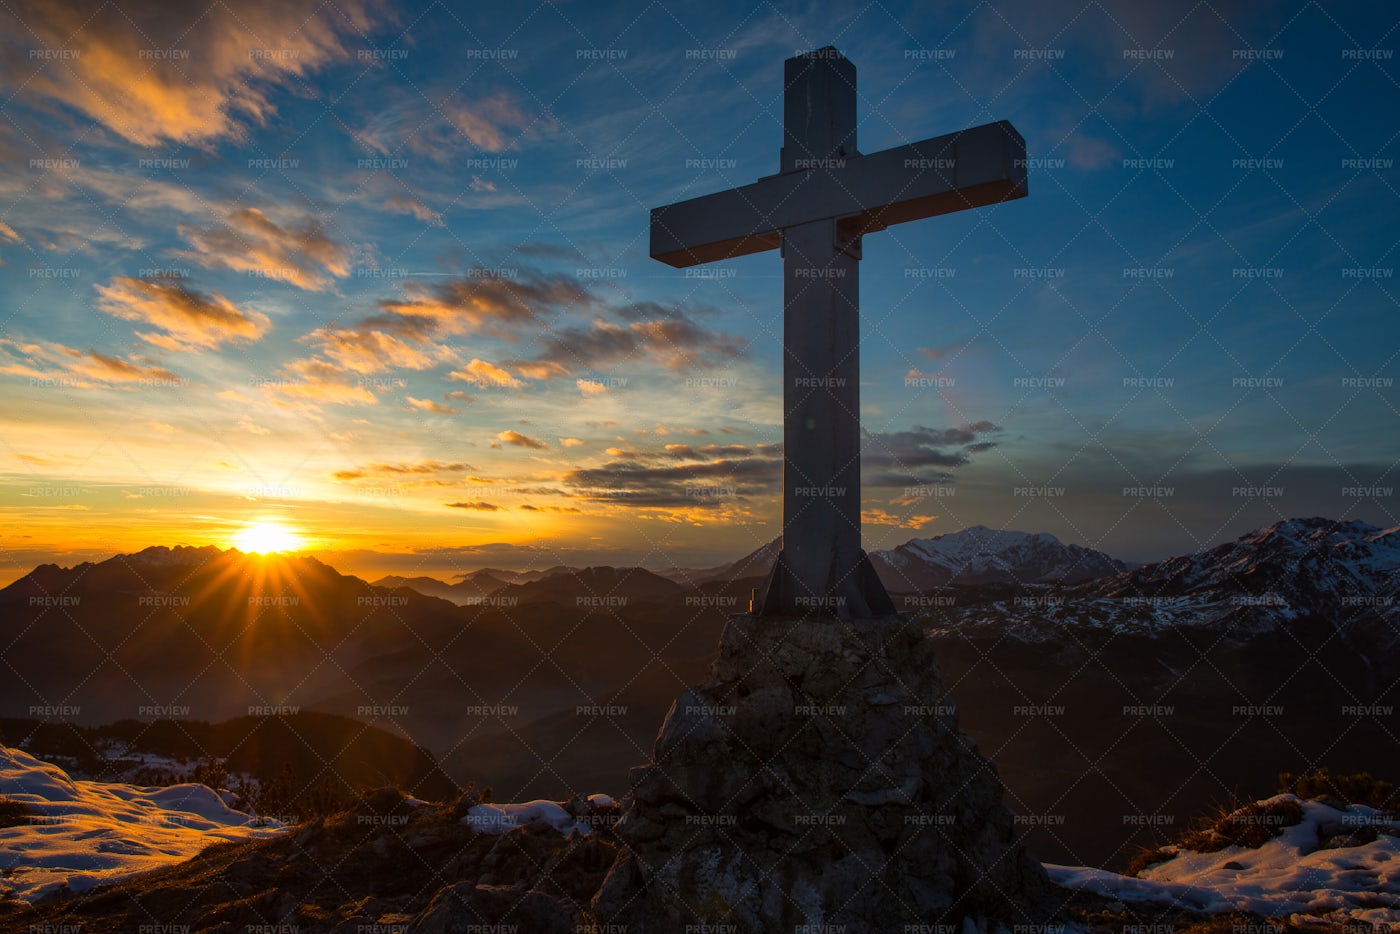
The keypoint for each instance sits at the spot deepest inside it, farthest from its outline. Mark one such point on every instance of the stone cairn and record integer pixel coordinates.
(818, 782)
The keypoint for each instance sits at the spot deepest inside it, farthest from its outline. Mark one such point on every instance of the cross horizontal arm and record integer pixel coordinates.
(968, 169)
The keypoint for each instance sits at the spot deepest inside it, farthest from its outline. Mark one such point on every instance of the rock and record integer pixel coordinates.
(1344, 840)
(466, 907)
(819, 779)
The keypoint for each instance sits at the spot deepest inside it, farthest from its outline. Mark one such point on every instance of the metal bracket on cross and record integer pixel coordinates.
(825, 198)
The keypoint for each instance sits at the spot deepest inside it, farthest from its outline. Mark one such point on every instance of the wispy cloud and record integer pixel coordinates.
(481, 373)
(514, 305)
(876, 516)
(184, 318)
(151, 75)
(516, 439)
(904, 458)
(496, 303)
(495, 123)
(41, 360)
(365, 351)
(317, 381)
(403, 204)
(440, 125)
(675, 342)
(430, 405)
(300, 253)
(406, 469)
(712, 477)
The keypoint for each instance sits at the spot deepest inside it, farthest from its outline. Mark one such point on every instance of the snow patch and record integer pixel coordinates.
(85, 833)
(499, 818)
(1289, 874)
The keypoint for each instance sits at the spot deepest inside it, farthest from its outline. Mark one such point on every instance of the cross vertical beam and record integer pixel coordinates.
(821, 568)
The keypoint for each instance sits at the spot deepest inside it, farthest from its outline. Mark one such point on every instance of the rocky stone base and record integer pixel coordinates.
(818, 781)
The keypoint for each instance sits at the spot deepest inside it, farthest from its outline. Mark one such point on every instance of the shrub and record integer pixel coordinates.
(1149, 856)
(13, 813)
(1356, 788)
(1250, 826)
(287, 796)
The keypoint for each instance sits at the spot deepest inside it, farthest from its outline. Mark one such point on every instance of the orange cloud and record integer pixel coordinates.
(361, 352)
(876, 516)
(186, 318)
(533, 369)
(429, 405)
(479, 505)
(319, 381)
(153, 73)
(419, 468)
(501, 304)
(518, 440)
(79, 368)
(481, 373)
(590, 387)
(366, 351)
(493, 124)
(302, 254)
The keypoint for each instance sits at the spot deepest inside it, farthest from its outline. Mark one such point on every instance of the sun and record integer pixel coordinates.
(265, 537)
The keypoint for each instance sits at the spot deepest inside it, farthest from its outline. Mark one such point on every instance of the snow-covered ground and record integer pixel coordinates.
(119, 762)
(84, 833)
(499, 818)
(1290, 874)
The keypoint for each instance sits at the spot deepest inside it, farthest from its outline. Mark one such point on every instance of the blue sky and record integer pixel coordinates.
(379, 273)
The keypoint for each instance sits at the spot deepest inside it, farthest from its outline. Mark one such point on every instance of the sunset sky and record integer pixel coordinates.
(377, 275)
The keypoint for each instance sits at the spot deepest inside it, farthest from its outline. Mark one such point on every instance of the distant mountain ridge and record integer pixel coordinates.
(1344, 573)
(974, 555)
(471, 588)
(154, 570)
(980, 555)
(592, 586)
(756, 563)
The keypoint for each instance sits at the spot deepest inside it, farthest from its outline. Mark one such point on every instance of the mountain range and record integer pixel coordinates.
(1160, 689)
(1346, 573)
(974, 555)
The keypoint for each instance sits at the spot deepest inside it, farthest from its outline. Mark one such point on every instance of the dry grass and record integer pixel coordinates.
(1356, 788)
(1149, 856)
(1250, 826)
(13, 813)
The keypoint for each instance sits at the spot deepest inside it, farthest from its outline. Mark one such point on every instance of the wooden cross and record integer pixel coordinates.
(827, 196)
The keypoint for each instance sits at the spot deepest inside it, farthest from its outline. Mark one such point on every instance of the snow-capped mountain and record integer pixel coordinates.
(979, 555)
(1340, 574)
(975, 555)
(1313, 558)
